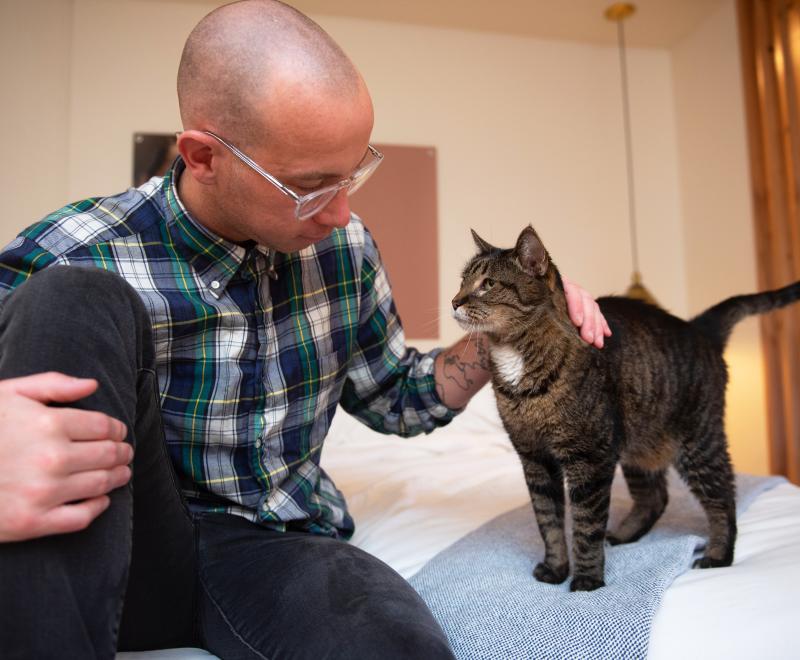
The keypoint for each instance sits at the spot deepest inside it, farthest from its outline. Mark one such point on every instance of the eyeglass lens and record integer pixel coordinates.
(315, 203)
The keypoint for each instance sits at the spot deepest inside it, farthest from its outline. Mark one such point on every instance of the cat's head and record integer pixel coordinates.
(505, 290)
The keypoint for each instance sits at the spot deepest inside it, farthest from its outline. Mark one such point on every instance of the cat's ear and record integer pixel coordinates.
(483, 246)
(530, 253)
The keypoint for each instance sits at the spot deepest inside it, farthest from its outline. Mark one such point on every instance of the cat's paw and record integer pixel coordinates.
(551, 574)
(585, 583)
(710, 562)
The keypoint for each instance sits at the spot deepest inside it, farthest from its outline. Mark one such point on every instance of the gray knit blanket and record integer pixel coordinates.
(482, 592)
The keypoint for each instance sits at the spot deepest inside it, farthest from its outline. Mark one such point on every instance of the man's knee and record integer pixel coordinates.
(76, 288)
(82, 311)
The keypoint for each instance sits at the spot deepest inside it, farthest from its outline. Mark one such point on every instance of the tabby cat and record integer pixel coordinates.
(653, 397)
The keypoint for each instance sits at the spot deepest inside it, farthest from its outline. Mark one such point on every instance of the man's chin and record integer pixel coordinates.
(293, 244)
(316, 236)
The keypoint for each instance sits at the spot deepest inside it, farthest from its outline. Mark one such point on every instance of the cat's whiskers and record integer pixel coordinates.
(469, 337)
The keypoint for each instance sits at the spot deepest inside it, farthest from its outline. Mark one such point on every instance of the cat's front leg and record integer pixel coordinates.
(590, 494)
(546, 488)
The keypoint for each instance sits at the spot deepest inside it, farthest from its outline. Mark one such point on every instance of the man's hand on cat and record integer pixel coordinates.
(585, 314)
(57, 465)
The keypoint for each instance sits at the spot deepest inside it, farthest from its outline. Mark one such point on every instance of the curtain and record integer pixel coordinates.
(769, 33)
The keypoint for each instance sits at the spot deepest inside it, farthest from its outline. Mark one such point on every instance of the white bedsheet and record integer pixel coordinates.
(412, 498)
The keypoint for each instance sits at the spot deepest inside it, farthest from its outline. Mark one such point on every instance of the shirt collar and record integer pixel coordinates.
(215, 259)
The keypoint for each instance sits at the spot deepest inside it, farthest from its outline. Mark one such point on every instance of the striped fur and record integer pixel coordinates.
(653, 397)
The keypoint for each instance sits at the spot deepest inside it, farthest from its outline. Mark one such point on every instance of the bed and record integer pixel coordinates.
(412, 499)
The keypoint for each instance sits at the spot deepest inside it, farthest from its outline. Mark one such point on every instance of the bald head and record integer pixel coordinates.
(243, 56)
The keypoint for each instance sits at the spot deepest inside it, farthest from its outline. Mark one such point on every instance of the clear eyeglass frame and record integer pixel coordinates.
(313, 202)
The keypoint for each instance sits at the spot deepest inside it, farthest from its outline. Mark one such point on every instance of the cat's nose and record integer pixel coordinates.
(457, 302)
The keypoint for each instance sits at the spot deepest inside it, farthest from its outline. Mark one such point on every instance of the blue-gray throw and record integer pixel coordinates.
(482, 592)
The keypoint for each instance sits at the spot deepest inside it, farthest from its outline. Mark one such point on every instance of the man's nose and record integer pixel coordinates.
(336, 213)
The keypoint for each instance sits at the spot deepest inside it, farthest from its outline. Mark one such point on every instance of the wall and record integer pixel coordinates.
(526, 131)
(531, 131)
(717, 213)
(35, 62)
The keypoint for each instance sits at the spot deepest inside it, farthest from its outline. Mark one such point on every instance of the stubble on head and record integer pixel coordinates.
(243, 55)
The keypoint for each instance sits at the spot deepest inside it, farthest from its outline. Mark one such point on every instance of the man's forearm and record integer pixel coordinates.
(462, 370)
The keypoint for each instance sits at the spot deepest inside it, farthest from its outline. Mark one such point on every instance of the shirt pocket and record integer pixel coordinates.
(308, 378)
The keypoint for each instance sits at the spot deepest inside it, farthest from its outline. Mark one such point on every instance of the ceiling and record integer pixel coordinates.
(655, 24)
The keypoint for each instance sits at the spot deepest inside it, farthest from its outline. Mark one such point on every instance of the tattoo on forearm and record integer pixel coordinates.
(456, 370)
(460, 372)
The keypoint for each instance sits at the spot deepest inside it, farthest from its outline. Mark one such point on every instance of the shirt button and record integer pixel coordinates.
(215, 285)
(265, 507)
(258, 442)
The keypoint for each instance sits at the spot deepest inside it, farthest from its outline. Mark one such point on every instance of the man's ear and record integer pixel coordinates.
(530, 253)
(483, 246)
(200, 153)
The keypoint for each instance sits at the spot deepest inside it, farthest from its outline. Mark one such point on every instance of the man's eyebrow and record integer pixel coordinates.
(319, 175)
(313, 176)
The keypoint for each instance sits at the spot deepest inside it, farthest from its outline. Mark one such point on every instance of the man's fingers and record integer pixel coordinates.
(574, 302)
(97, 455)
(588, 327)
(584, 312)
(73, 517)
(89, 425)
(599, 334)
(60, 519)
(52, 387)
(86, 485)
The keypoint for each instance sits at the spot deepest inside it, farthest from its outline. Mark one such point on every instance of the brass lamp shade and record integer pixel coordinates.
(617, 13)
(638, 291)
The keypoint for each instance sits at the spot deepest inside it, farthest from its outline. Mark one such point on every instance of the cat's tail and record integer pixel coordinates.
(718, 321)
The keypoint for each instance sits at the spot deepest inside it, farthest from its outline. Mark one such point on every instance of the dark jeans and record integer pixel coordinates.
(146, 574)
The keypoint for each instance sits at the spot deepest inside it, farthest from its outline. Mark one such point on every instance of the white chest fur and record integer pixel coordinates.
(509, 364)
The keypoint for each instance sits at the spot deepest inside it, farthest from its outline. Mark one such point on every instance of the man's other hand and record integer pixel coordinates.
(57, 465)
(585, 314)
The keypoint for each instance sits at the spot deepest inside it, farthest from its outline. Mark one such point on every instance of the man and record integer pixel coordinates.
(227, 310)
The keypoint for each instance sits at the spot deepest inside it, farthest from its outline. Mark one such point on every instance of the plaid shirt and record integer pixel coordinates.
(250, 368)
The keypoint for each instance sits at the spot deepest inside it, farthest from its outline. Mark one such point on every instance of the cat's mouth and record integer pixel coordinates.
(467, 323)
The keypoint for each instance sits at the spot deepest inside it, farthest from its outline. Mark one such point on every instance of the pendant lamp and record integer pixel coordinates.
(617, 13)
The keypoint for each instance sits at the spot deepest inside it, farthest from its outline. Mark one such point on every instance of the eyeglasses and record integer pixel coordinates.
(313, 202)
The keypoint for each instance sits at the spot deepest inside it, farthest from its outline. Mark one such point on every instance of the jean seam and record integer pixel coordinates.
(121, 605)
(140, 371)
(164, 453)
(231, 627)
(129, 486)
(184, 504)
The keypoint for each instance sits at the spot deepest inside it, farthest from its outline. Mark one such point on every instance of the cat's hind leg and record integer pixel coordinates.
(706, 468)
(648, 490)
(545, 482)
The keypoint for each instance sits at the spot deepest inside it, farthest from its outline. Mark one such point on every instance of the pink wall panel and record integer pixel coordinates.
(398, 205)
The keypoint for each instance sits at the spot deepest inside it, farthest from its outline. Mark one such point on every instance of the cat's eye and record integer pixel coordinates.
(487, 284)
